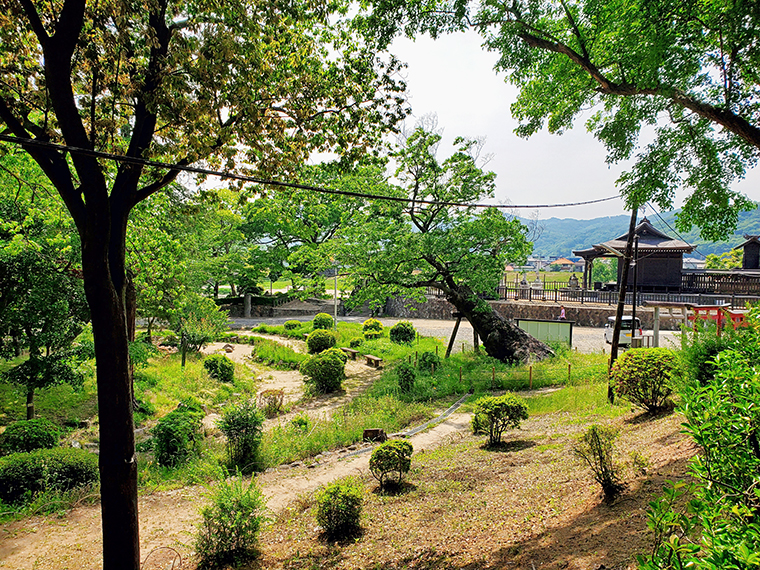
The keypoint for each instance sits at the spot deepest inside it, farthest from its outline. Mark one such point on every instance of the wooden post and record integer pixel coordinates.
(656, 328)
(568, 373)
(493, 377)
(530, 376)
(460, 374)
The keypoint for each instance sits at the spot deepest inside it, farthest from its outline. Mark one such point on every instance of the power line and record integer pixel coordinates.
(672, 229)
(255, 180)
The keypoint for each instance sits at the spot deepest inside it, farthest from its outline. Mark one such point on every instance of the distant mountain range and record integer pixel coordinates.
(560, 236)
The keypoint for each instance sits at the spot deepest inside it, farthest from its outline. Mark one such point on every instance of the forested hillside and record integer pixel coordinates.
(560, 236)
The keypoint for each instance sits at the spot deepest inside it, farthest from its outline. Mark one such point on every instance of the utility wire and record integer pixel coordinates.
(672, 229)
(255, 180)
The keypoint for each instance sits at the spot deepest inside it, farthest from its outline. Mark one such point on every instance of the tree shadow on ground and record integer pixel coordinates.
(646, 416)
(395, 489)
(600, 536)
(511, 446)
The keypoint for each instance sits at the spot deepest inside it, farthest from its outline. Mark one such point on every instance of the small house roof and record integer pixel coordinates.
(748, 240)
(650, 239)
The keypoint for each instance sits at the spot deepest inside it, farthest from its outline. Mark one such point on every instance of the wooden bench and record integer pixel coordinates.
(350, 352)
(373, 360)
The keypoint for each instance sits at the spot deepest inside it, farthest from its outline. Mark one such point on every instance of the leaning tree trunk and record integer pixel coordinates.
(105, 287)
(501, 339)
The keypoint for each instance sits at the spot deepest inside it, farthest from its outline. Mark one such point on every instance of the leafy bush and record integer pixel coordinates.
(596, 447)
(28, 435)
(356, 342)
(495, 414)
(390, 461)
(339, 508)
(23, 475)
(320, 340)
(326, 370)
(643, 376)
(220, 367)
(242, 424)
(322, 321)
(372, 328)
(722, 418)
(229, 531)
(699, 355)
(301, 422)
(177, 433)
(402, 333)
(429, 361)
(406, 376)
(292, 325)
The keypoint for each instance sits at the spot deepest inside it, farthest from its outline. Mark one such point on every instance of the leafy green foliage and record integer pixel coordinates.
(320, 340)
(719, 528)
(23, 475)
(23, 436)
(242, 424)
(402, 332)
(177, 433)
(229, 531)
(220, 367)
(643, 375)
(292, 325)
(325, 370)
(407, 375)
(495, 414)
(322, 321)
(339, 508)
(726, 260)
(596, 447)
(429, 361)
(356, 342)
(372, 328)
(390, 461)
(698, 355)
(197, 321)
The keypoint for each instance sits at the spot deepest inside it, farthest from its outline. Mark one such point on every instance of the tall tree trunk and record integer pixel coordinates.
(30, 403)
(501, 339)
(105, 283)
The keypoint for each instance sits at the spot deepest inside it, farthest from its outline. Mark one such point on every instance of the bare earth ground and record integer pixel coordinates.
(524, 506)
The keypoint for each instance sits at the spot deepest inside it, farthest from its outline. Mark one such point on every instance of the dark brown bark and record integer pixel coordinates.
(30, 403)
(501, 339)
(118, 468)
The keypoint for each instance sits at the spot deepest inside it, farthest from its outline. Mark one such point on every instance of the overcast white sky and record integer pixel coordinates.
(453, 77)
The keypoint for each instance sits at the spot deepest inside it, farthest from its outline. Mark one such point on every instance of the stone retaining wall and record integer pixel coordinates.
(583, 315)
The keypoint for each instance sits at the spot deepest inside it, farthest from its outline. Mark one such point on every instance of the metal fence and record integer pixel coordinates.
(562, 295)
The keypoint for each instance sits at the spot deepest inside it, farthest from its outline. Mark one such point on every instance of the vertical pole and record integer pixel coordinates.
(460, 375)
(475, 341)
(530, 376)
(335, 301)
(493, 377)
(568, 373)
(656, 329)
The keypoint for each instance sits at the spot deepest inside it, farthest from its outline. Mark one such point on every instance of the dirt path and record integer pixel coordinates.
(168, 519)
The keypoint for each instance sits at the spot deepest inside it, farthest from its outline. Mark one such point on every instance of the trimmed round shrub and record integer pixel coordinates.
(23, 475)
(339, 508)
(28, 435)
(320, 340)
(429, 360)
(402, 333)
(229, 532)
(356, 342)
(642, 375)
(372, 328)
(292, 325)
(243, 425)
(407, 375)
(495, 414)
(322, 321)
(325, 370)
(220, 367)
(390, 461)
(177, 434)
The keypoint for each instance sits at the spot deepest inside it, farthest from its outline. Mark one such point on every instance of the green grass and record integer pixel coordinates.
(275, 355)
(588, 399)
(291, 442)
